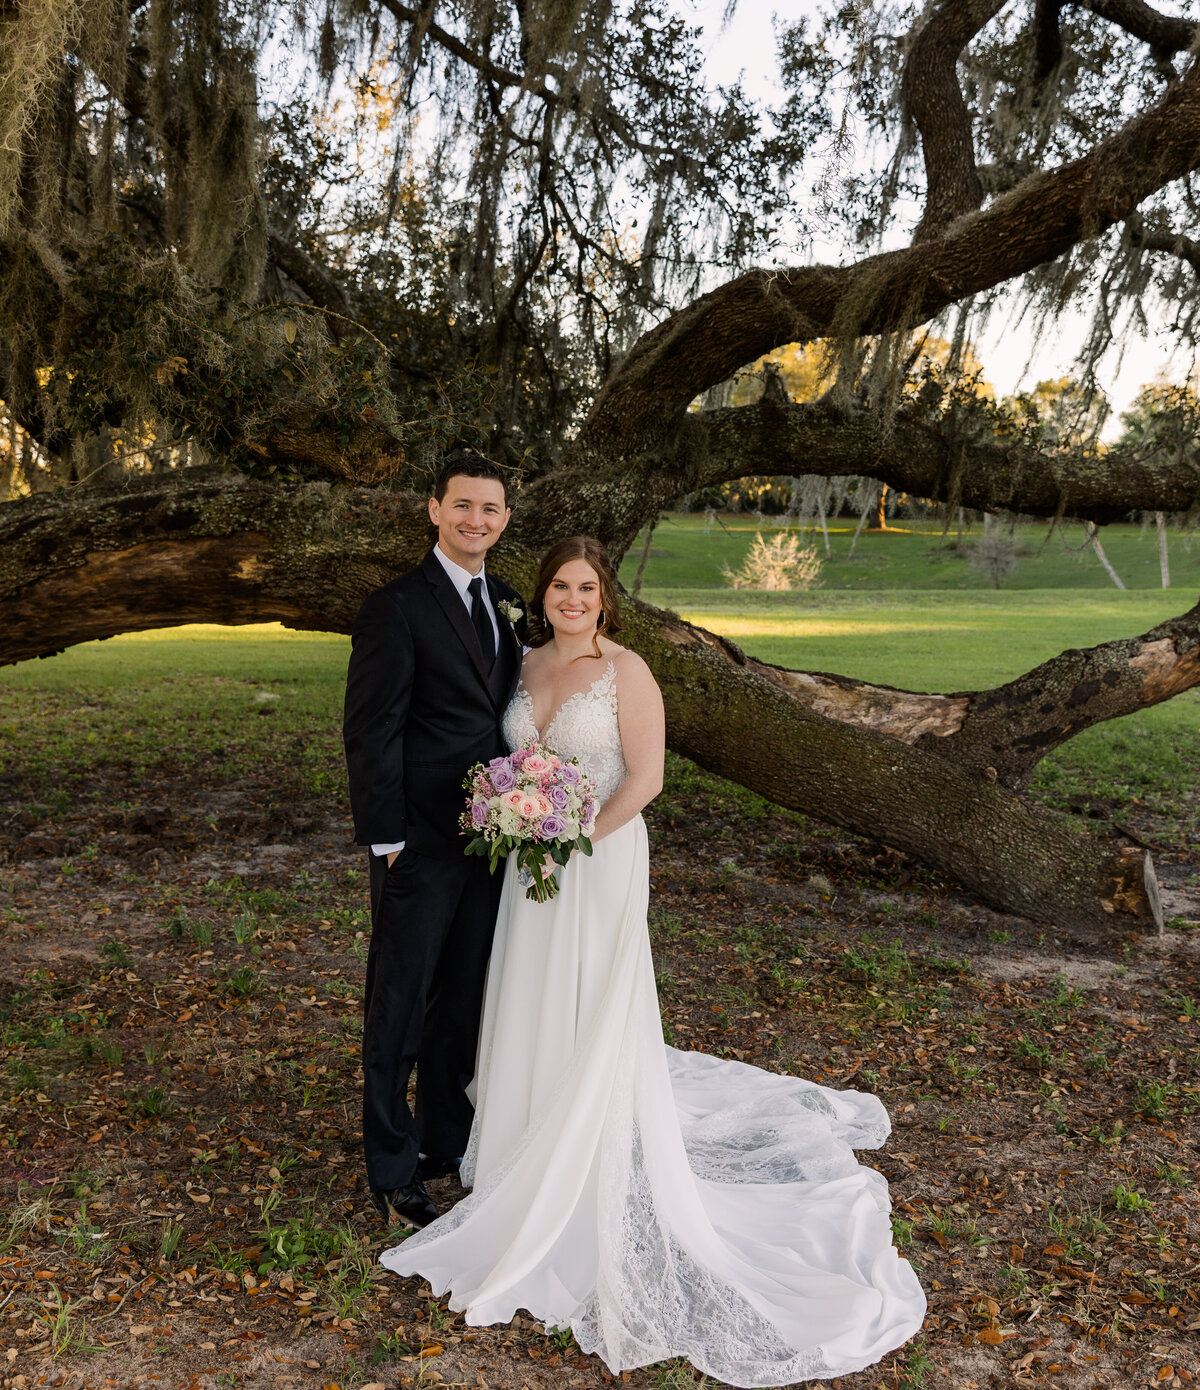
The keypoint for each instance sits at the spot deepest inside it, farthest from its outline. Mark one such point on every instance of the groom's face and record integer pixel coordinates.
(469, 519)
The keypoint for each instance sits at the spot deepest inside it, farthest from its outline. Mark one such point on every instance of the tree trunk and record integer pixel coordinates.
(225, 549)
(1164, 564)
(644, 559)
(1094, 538)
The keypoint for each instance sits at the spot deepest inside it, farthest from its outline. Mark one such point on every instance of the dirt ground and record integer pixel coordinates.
(183, 1201)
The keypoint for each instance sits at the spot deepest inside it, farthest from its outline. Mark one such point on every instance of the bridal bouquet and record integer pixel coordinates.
(533, 804)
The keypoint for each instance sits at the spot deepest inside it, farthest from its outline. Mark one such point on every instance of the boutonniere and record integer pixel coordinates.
(512, 611)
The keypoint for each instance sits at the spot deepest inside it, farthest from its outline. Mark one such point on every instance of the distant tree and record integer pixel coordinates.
(1063, 413)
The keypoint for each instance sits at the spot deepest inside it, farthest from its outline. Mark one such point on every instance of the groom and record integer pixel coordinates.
(434, 663)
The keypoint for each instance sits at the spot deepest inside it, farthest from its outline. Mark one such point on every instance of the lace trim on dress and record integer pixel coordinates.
(584, 726)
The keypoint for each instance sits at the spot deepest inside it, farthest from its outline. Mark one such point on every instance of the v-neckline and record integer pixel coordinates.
(522, 689)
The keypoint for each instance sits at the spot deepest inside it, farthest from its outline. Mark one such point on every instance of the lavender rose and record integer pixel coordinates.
(558, 797)
(553, 826)
(479, 813)
(504, 779)
(569, 773)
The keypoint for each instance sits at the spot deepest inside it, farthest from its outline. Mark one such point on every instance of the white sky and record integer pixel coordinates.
(746, 49)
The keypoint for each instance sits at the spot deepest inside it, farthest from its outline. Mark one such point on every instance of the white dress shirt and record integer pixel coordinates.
(461, 580)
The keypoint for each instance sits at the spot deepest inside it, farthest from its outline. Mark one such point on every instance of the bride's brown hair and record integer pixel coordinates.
(538, 631)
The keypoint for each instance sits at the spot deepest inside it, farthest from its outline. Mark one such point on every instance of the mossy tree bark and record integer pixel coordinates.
(921, 772)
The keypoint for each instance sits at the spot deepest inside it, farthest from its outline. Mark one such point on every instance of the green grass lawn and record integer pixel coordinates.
(688, 553)
(221, 696)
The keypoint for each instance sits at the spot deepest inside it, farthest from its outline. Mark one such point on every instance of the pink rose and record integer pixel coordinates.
(514, 800)
(536, 763)
(529, 807)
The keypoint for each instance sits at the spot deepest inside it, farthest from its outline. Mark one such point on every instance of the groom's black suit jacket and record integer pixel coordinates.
(422, 707)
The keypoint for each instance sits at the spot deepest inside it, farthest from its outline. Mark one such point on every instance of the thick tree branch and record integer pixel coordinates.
(910, 454)
(705, 343)
(1164, 34)
(934, 101)
(313, 279)
(945, 461)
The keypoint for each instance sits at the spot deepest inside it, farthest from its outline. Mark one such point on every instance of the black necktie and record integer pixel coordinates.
(483, 624)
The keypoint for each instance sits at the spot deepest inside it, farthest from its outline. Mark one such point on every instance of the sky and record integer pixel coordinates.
(745, 48)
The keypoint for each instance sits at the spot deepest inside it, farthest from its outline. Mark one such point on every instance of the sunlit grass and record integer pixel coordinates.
(921, 640)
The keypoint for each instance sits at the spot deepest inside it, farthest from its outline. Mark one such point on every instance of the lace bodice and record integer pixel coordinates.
(584, 726)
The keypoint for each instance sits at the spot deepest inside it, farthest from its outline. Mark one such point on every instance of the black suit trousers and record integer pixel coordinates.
(432, 921)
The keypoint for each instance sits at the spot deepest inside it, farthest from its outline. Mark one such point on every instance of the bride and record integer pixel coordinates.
(658, 1203)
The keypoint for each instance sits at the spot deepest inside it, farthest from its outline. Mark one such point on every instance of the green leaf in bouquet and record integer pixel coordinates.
(584, 844)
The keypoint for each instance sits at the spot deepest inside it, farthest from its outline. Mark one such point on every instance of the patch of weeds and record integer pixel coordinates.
(389, 1347)
(1013, 1281)
(1059, 1009)
(83, 1239)
(1129, 1199)
(1096, 1057)
(902, 1231)
(1183, 1005)
(202, 933)
(878, 961)
(679, 1375)
(917, 1368)
(245, 926)
(169, 1236)
(245, 982)
(1035, 1051)
(1173, 1173)
(1154, 1099)
(66, 1328)
(1108, 1141)
(115, 951)
(155, 1104)
(353, 1271)
(439, 1317)
(1071, 1228)
(297, 1242)
(257, 900)
(178, 924)
(25, 1075)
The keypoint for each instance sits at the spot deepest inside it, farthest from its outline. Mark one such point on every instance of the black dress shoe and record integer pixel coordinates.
(432, 1166)
(409, 1206)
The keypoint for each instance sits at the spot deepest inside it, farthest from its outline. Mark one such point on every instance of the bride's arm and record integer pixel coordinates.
(643, 742)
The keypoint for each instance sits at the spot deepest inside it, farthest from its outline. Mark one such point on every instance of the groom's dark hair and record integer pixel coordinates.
(465, 463)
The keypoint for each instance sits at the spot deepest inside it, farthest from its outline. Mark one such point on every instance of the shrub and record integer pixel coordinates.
(780, 563)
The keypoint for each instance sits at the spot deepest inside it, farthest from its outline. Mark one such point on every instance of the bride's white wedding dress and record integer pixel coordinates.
(659, 1203)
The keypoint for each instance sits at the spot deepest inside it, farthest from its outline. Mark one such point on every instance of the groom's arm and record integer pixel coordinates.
(378, 688)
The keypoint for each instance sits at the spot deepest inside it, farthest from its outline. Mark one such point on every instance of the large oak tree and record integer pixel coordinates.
(254, 277)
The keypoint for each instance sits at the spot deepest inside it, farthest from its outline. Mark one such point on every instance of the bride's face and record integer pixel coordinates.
(573, 600)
